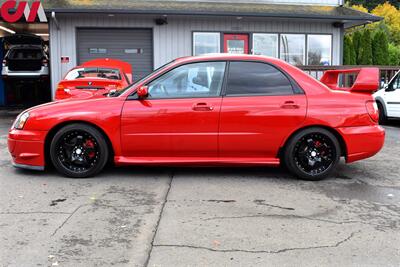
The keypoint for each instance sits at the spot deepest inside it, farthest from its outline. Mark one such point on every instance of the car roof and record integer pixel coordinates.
(226, 56)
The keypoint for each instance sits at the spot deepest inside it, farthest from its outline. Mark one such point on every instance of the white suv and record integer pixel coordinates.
(388, 100)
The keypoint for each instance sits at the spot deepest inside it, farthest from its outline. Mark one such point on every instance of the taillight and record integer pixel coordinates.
(45, 62)
(372, 109)
(4, 63)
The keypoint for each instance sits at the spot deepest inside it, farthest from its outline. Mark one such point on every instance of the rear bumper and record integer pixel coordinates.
(362, 142)
(27, 149)
(44, 71)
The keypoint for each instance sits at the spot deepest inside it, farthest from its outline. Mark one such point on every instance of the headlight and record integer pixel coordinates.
(21, 120)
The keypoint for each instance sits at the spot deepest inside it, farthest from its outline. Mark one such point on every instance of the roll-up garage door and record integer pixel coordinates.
(131, 45)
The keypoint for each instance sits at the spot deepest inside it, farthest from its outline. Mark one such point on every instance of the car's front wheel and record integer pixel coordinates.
(312, 154)
(78, 151)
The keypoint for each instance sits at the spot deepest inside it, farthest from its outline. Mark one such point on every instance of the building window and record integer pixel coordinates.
(319, 51)
(206, 43)
(265, 44)
(293, 48)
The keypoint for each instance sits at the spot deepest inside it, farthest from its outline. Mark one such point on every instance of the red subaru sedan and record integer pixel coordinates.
(215, 110)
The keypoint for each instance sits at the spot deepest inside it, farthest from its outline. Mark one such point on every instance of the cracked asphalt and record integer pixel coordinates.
(202, 216)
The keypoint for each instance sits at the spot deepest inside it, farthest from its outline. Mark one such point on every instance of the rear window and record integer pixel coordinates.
(26, 54)
(100, 73)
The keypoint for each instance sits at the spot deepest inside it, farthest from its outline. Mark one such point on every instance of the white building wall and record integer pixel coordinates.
(174, 39)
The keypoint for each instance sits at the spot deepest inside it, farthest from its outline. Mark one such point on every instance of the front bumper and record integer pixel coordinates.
(362, 142)
(27, 149)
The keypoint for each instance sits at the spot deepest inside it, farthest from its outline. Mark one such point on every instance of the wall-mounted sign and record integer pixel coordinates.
(13, 12)
(64, 60)
(134, 51)
(97, 50)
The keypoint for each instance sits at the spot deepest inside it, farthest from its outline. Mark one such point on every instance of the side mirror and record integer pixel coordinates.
(142, 91)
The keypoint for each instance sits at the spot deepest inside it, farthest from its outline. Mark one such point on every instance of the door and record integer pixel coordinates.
(134, 46)
(236, 43)
(258, 111)
(179, 119)
(392, 98)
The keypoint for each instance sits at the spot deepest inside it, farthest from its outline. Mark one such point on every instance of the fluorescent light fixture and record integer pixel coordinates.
(42, 34)
(7, 30)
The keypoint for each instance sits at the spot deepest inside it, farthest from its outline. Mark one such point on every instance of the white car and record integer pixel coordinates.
(388, 100)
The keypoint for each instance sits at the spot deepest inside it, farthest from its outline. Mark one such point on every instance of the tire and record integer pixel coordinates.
(312, 154)
(78, 151)
(382, 115)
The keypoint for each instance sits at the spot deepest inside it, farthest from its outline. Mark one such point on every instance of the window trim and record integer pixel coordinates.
(297, 90)
(205, 32)
(192, 97)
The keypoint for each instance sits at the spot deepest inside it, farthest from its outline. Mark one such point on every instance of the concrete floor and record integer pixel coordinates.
(202, 216)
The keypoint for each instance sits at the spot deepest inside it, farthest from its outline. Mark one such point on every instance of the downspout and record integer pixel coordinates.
(53, 16)
(57, 33)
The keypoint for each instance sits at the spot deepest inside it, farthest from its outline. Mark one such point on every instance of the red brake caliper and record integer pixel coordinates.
(89, 144)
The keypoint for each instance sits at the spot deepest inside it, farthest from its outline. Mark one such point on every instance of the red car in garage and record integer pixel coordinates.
(215, 110)
(95, 78)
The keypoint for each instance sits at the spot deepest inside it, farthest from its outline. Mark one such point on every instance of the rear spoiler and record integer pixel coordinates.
(111, 63)
(367, 79)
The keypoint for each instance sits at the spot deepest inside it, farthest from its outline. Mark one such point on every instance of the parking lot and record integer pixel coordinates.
(202, 216)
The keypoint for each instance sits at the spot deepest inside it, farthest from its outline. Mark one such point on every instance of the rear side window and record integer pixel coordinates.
(255, 78)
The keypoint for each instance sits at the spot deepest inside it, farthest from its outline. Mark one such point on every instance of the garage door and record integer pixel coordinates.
(131, 45)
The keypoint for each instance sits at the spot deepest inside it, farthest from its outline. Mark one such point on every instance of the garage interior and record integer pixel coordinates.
(22, 92)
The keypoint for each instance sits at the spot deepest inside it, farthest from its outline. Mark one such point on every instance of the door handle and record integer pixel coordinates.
(290, 105)
(202, 107)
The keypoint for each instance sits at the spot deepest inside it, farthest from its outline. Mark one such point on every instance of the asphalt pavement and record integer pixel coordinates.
(138, 216)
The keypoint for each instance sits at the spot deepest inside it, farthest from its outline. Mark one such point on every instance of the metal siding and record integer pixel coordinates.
(116, 41)
(174, 39)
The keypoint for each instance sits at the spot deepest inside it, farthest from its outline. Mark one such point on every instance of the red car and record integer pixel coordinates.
(207, 111)
(95, 78)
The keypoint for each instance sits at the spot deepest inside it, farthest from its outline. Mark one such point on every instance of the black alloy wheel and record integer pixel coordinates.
(312, 154)
(78, 151)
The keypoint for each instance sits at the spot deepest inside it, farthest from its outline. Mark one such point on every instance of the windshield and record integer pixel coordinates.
(120, 92)
(100, 73)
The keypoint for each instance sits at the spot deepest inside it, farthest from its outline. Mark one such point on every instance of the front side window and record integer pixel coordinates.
(206, 43)
(254, 78)
(192, 80)
(293, 48)
(265, 44)
(319, 49)
(395, 83)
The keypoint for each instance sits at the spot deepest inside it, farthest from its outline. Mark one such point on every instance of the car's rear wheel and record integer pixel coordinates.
(382, 115)
(312, 154)
(79, 151)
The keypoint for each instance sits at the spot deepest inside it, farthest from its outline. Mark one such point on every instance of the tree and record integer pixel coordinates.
(365, 56)
(391, 18)
(371, 4)
(380, 49)
(394, 55)
(356, 45)
(349, 56)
